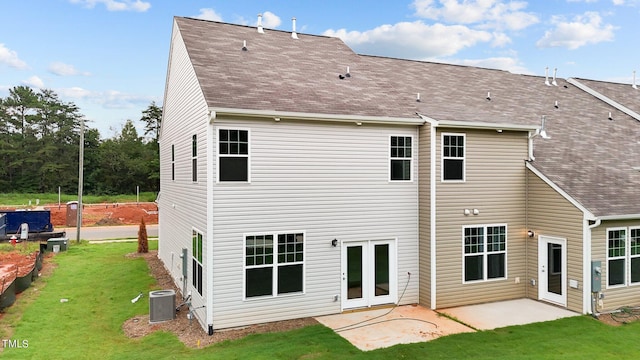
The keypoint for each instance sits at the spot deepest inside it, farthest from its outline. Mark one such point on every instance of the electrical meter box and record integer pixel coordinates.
(596, 276)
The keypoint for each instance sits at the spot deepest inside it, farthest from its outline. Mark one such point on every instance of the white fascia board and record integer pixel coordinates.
(607, 100)
(290, 115)
(587, 214)
(477, 125)
(620, 217)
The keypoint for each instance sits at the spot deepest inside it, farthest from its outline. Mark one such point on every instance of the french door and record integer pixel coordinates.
(368, 273)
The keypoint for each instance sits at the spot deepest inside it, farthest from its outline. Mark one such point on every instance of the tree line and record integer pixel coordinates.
(40, 143)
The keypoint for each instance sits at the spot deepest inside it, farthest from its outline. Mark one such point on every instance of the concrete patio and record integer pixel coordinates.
(385, 327)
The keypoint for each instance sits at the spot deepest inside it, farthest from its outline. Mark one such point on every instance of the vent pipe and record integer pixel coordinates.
(555, 72)
(260, 28)
(294, 34)
(633, 85)
(546, 76)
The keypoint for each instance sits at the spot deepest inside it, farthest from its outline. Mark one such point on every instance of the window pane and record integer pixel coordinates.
(381, 268)
(453, 169)
(224, 135)
(289, 279)
(199, 273)
(194, 145)
(194, 169)
(473, 268)
(616, 272)
(400, 169)
(635, 269)
(473, 240)
(259, 282)
(495, 266)
(233, 169)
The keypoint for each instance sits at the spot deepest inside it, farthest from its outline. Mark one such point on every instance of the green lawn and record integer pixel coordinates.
(15, 199)
(99, 282)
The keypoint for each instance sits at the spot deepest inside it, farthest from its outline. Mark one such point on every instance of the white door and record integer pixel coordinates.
(552, 270)
(368, 273)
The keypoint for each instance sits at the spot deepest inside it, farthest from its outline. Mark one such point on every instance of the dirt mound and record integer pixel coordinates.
(108, 214)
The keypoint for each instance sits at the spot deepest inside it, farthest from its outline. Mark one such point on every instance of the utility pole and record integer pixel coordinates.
(80, 180)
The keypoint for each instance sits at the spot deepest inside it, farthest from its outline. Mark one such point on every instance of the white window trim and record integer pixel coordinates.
(631, 256)
(193, 257)
(194, 158)
(173, 162)
(627, 257)
(217, 152)
(464, 158)
(485, 253)
(411, 162)
(274, 285)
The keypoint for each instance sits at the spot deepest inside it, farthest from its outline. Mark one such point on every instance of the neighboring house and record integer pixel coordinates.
(301, 179)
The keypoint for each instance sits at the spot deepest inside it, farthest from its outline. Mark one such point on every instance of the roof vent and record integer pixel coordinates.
(418, 97)
(294, 34)
(610, 117)
(555, 105)
(348, 74)
(260, 28)
(633, 85)
(542, 131)
(554, 82)
(546, 76)
(489, 95)
(244, 45)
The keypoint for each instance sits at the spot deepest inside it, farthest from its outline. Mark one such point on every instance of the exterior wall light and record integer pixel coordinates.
(530, 233)
(334, 242)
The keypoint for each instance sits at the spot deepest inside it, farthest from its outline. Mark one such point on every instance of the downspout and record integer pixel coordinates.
(587, 266)
(209, 238)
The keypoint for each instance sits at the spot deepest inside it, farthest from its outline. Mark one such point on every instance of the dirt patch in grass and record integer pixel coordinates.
(108, 214)
(190, 332)
(620, 317)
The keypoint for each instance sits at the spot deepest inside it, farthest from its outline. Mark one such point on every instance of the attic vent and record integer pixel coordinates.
(294, 34)
(546, 76)
(418, 97)
(633, 84)
(554, 82)
(244, 45)
(260, 28)
(489, 95)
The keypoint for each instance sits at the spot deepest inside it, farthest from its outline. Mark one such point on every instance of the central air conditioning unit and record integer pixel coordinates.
(162, 305)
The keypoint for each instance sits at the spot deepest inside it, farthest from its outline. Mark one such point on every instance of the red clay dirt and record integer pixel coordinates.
(14, 264)
(108, 214)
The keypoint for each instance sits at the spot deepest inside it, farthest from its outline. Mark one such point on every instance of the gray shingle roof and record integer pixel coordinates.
(589, 156)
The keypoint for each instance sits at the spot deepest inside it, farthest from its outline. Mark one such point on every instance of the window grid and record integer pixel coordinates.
(234, 142)
(453, 157)
(485, 250)
(233, 155)
(616, 257)
(194, 158)
(274, 271)
(400, 157)
(259, 250)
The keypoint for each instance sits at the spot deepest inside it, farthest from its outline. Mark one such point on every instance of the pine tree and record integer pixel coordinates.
(143, 242)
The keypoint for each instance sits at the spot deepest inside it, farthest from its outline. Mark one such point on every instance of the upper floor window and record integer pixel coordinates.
(194, 158)
(453, 158)
(400, 157)
(623, 256)
(173, 162)
(485, 252)
(233, 155)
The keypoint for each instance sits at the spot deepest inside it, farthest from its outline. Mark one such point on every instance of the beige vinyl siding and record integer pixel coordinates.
(614, 297)
(328, 180)
(182, 204)
(495, 185)
(424, 173)
(550, 214)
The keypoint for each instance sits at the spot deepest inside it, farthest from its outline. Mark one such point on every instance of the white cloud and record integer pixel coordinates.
(34, 82)
(412, 40)
(110, 99)
(10, 57)
(500, 39)
(583, 30)
(114, 5)
(489, 14)
(270, 20)
(62, 69)
(209, 14)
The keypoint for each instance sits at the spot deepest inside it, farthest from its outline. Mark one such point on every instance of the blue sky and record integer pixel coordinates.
(109, 57)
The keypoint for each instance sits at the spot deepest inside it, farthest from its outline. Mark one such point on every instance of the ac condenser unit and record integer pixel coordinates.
(162, 305)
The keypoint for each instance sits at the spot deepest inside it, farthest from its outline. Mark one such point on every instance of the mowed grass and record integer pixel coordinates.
(99, 283)
(18, 199)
